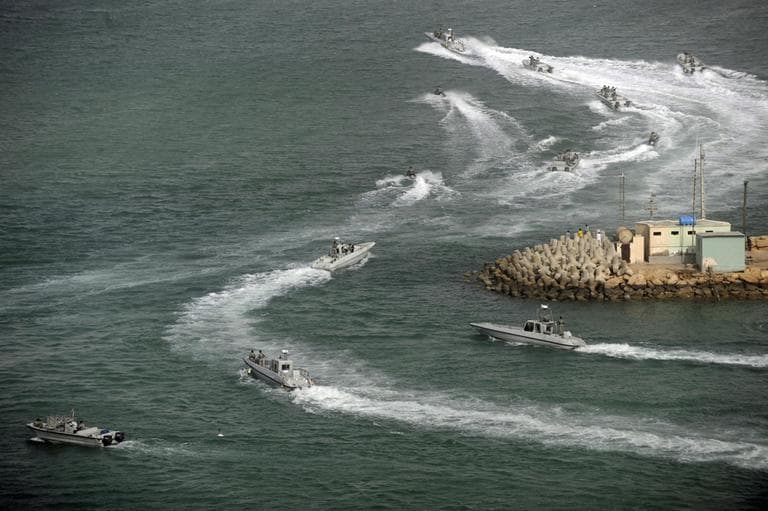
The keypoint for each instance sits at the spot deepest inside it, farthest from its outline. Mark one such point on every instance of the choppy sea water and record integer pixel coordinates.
(170, 170)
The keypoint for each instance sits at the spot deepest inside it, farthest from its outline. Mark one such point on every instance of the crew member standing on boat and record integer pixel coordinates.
(334, 247)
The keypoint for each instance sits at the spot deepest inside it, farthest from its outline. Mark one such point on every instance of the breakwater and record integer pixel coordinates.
(587, 268)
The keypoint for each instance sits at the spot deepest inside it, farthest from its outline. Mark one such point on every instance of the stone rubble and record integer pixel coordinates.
(584, 269)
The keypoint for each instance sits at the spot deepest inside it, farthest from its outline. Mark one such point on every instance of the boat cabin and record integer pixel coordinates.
(281, 363)
(545, 324)
(543, 327)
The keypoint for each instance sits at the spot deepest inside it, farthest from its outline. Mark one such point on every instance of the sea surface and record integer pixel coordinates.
(170, 169)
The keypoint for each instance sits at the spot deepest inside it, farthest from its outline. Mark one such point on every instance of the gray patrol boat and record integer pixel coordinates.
(535, 64)
(690, 63)
(277, 371)
(611, 99)
(447, 40)
(542, 331)
(565, 161)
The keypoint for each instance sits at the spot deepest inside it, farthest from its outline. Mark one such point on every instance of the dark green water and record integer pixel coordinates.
(169, 170)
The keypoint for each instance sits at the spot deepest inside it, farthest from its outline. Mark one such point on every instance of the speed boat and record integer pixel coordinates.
(342, 255)
(66, 429)
(653, 139)
(535, 64)
(438, 91)
(542, 331)
(277, 371)
(690, 63)
(447, 40)
(410, 173)
(612, 100)
(565, 162)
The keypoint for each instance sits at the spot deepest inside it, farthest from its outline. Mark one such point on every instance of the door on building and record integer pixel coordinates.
(625, 251)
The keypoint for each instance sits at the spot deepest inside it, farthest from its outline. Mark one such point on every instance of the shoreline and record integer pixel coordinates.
(582, 269)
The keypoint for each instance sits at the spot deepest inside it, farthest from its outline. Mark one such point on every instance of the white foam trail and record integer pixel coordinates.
(155, 448)
(399, 191)
(533, 423)
(218, 323)
(702, 357)
(491, 132)
(392, 181)
(726, 110)
(599, 160)
(545, 144)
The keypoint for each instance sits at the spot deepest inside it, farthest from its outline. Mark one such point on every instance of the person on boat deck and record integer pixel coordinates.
(261, 356)
(252, 355)
(334, 247)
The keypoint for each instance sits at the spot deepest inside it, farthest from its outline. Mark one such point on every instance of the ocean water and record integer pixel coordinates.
(170, 169)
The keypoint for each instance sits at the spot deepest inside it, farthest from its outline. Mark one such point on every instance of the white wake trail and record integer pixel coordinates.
(548, 426)
(628, 351)
(217, 324)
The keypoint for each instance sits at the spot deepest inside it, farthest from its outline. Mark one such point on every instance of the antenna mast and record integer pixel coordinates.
(744, 214)
(701, 179)
(621, 197)
(693, 205)
(651, 209)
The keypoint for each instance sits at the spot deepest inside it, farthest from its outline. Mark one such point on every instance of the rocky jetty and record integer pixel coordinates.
(585, 268)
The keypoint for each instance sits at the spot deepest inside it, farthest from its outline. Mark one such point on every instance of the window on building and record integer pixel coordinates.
(657, 233)
(691, 232)
(709, 231)
(674, 233)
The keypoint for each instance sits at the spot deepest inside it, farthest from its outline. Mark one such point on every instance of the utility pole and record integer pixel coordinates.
(693, 205)
(621, 198)
(744, 215)
(701, 179)
(651, 209)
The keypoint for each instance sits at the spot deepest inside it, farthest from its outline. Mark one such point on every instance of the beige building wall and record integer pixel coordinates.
(633, 252)
(669, 238)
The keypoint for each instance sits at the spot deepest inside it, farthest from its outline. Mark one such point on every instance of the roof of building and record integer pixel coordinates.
(725, 234)
(703, 222)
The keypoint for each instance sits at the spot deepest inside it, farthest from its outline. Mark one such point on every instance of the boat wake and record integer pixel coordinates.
(548, 426)
(684, 109)
(703, 357)
(491, 134)
(219, 323)
(400, 191)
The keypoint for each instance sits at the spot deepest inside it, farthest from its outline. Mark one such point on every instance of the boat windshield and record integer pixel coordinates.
(528, 326)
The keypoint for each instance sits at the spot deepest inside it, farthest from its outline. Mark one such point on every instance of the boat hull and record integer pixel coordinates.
(336, 263)
(563, 166)
(616, 103)
(455, 46)
(515, 334)
(540, 66)
(268, 376)
(689, 67)
(56, 437)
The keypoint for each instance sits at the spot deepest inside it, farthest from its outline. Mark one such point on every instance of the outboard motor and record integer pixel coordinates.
(119, 436)
(106, 440)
